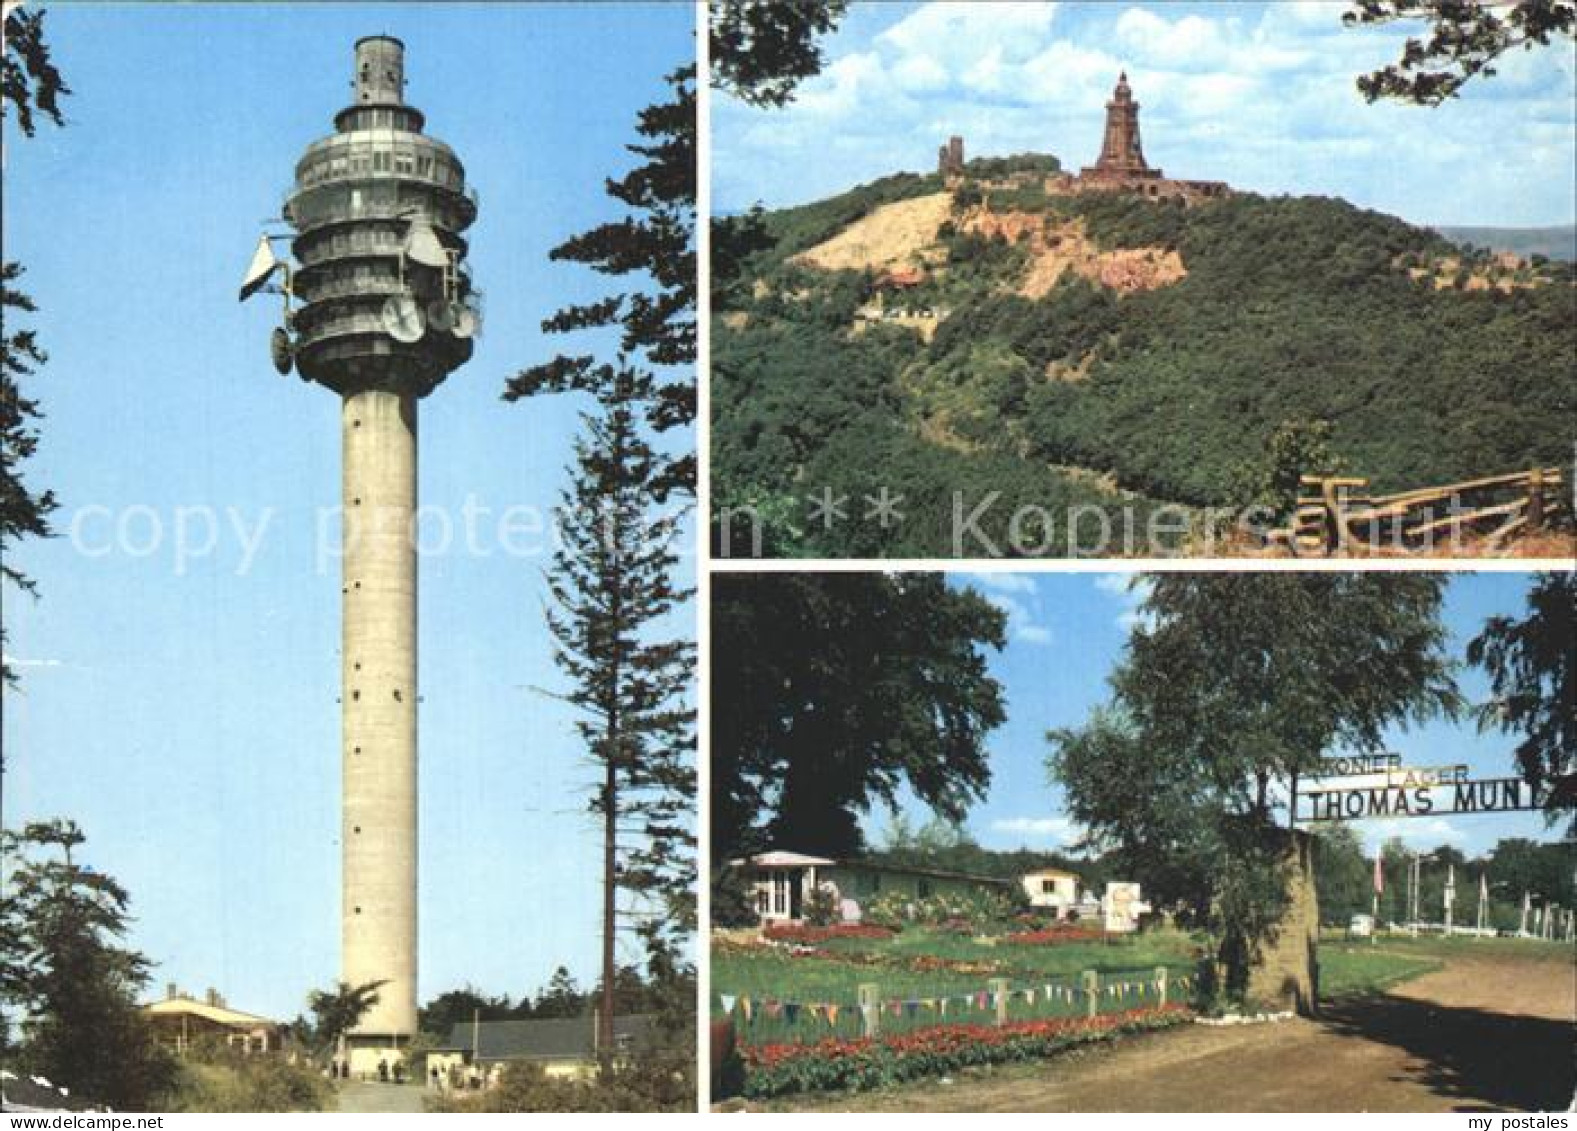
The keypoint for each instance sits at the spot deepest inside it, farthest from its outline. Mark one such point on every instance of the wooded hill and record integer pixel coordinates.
(948, 368)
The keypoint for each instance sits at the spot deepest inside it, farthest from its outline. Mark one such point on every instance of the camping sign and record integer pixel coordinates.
(1380, 785)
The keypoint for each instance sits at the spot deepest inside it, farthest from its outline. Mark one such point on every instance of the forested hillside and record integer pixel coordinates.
(1124, 380)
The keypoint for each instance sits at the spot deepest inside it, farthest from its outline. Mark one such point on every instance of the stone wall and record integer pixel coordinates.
(1287, 974)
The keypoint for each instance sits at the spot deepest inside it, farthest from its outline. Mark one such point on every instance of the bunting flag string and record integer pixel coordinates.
(749, 1009)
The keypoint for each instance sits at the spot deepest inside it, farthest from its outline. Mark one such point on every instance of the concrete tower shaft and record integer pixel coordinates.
(385, 312)
(378, 913)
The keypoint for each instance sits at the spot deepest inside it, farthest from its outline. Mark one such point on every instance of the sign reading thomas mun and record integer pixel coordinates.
(1390, 789)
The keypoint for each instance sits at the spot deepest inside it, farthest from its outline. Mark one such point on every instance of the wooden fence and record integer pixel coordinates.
(1336, 515)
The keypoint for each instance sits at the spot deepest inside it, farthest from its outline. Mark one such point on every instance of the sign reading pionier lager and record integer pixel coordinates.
(1380, 785)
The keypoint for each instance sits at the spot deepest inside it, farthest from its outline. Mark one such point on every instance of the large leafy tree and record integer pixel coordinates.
(30, 87)
(1233, 686)
(613, 593)
(1532, 666)
(831, 692)
(1464, 39)
(67, 976)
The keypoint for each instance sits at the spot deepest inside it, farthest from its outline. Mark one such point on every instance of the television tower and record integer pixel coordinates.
(384, 312)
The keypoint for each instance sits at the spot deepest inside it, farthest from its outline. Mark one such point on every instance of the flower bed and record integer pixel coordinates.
(1051, 936)
(803, 933)
(779, 1069)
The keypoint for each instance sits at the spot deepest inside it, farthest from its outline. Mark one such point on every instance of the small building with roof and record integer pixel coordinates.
(781, 882)
(1053, 889)
(180, 1021)
(562, 1046)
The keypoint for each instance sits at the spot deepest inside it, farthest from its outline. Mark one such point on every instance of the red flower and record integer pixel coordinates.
(803, 933)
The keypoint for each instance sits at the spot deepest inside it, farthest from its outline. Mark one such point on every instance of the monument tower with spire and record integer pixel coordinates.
(1122, 152)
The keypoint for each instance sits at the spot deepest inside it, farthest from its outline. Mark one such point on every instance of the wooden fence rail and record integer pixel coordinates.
(1336, 515)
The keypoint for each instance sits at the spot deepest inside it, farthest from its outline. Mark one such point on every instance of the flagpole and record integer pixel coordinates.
(1377, 886)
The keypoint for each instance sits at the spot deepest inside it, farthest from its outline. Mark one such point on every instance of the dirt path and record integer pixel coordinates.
(359, 1096)
(1478, 1035)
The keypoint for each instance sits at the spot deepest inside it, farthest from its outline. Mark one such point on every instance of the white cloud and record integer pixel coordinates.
(1004, 590)
(1189, 43)
(24, 662)
(1415, 832)
(1057, 830)
(1261, 96)
(1004, 582)
(968, 30)
(1034, 634)
(1131, 591)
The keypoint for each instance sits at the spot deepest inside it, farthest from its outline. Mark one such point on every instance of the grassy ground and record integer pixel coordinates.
(774, 973)
(904, 968)
(898, 967)
(1360, 966)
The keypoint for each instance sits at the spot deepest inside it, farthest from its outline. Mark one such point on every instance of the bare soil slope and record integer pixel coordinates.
(894, 235)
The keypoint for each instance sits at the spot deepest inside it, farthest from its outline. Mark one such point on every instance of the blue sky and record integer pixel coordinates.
(1260, 95)
(185, 713)
(1067, 632)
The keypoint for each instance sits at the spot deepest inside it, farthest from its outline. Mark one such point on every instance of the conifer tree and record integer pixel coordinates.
(612, 592)
(30, 85)
(67, 978)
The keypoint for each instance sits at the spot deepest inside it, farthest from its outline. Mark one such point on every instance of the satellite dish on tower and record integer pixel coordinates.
(423, 246)
(441, 314)
(402, 319)
(282, 350)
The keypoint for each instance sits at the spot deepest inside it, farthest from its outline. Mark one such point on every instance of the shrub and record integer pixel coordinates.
(657, 1083)
(960, 912)
(821, 906)
(229, 1082)
(779, 1069)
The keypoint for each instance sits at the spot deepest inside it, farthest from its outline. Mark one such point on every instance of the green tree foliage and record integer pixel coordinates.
(439, 1016)
(561, 997)
(30, 85)
(1296, 333)
(335, 1013)
(221, 1079)
(1532, 666)
(833, 691)
(24, 511)
(1296, 449)
(654, 247)
(1296, 309)
(948, 846)
(612, 589)
(1517, 865)
(29, 81)
(640, 1082)
(67, 980)
(1465, 38)
(1343, 876)
(1233, 686)
(761, 50)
